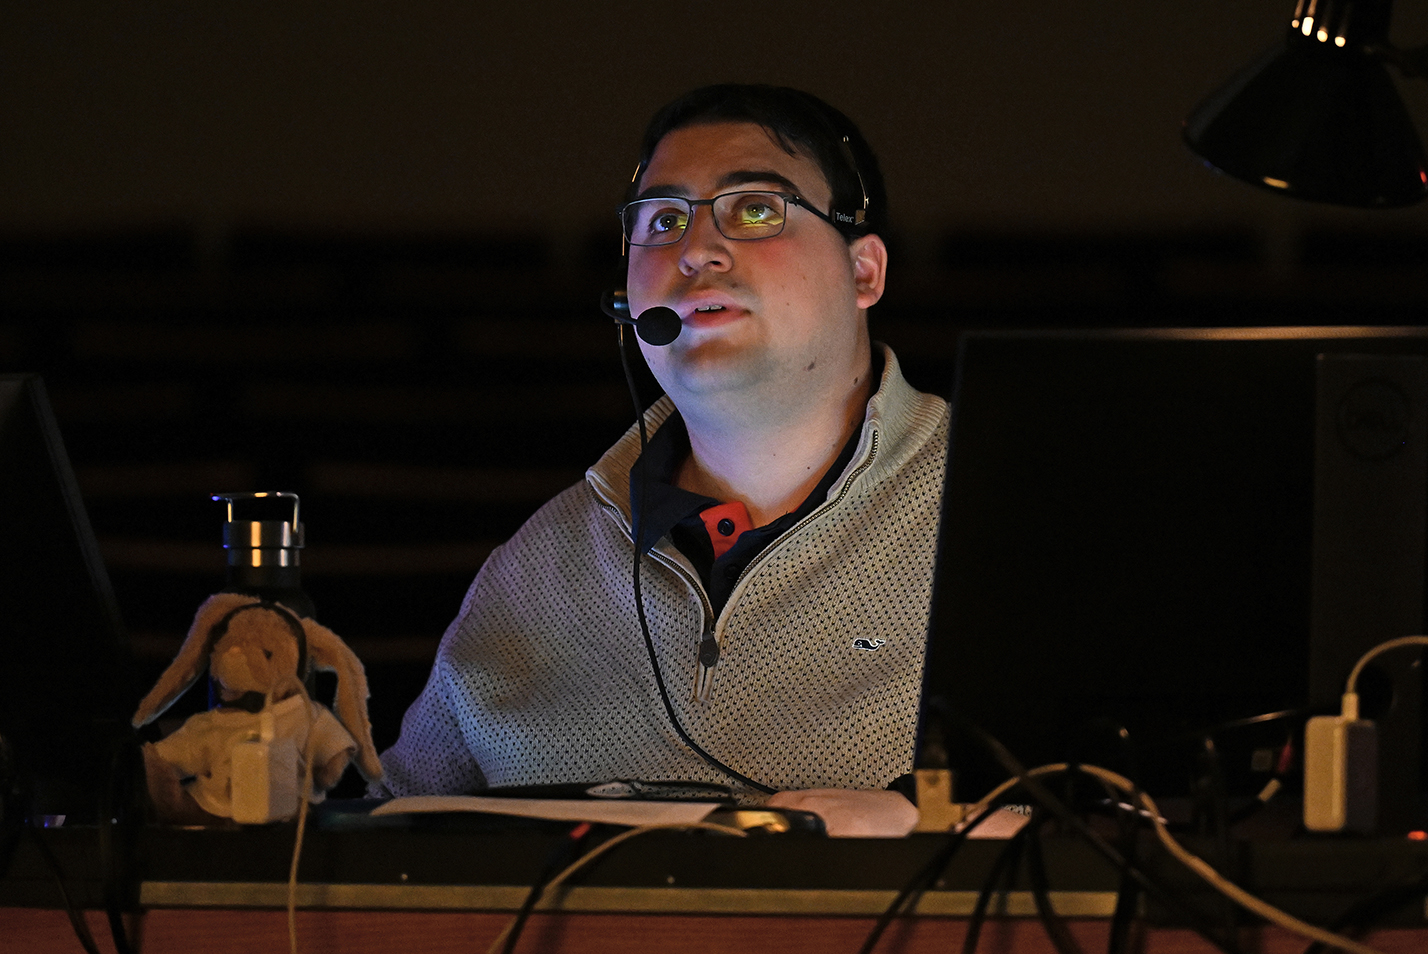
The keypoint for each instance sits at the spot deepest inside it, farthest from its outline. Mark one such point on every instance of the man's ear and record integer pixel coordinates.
(870, 268)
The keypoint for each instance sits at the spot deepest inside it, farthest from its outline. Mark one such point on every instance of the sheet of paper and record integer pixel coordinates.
(611, 812)
(1003, 823)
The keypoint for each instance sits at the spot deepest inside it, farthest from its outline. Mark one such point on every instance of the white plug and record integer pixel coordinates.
(1341, 771)
(263, 781)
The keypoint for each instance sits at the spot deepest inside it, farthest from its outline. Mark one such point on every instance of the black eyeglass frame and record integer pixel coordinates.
(787, 197)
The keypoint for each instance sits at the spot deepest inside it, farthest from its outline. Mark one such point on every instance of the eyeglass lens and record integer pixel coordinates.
(742, 216)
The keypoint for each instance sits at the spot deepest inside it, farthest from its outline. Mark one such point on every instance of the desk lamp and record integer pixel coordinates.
(1318, 116)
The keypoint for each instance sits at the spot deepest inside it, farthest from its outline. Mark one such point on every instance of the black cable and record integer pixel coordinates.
(76, 917)
(1128, 893)
(1125, 757)
(1211, 818)
(1127, 762)
(1004, 872)
(920, 881)
(1056, 929)
(1359, 919)
(637, 528)
(565, 852)
(12, 801)
(119, 820)
(1074, 823)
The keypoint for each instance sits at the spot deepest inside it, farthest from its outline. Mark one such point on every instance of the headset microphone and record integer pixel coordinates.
(657, 326)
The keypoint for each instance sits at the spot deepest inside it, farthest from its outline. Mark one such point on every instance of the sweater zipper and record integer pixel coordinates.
(708, 645)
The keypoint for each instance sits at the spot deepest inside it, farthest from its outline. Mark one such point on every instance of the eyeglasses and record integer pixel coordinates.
(741, 216)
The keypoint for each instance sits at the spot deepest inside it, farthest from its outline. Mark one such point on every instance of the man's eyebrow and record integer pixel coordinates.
(662, 190)
(738, 177)
(748, 176)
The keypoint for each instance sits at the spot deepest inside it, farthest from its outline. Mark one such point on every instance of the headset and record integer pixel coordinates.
(859, 216)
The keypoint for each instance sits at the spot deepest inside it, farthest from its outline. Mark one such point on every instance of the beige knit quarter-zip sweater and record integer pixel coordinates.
(544, 678)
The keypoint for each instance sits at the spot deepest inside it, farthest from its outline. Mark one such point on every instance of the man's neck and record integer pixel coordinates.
(771, 465)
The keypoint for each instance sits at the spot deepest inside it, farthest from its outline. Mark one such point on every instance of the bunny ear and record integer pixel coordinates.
(330, 653)
(191, 659)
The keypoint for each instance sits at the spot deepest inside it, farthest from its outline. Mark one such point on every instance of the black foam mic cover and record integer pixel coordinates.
(658, 325)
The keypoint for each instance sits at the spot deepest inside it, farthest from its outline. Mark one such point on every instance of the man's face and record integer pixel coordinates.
(780, 318)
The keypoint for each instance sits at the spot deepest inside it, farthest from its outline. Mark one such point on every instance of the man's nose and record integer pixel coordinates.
(704, 246)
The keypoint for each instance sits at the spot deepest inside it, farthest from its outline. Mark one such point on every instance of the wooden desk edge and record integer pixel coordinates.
(672, 900)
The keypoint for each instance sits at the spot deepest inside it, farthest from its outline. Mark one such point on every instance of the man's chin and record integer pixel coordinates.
(708, 371)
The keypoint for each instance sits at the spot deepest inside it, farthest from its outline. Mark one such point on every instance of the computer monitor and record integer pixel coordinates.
(1170, 530)
(66, 678)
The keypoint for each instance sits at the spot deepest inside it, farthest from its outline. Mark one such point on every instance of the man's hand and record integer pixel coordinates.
(853, 814)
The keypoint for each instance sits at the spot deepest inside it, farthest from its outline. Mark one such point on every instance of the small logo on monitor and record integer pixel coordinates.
(868, 644)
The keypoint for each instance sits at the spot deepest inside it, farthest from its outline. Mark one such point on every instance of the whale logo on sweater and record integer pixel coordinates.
(869, 645)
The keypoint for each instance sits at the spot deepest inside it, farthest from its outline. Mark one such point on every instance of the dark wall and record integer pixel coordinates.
(434, 114)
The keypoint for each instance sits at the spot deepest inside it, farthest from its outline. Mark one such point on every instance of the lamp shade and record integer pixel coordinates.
(1314, 120)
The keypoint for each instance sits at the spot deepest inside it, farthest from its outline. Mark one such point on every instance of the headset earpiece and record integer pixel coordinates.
(859, 215)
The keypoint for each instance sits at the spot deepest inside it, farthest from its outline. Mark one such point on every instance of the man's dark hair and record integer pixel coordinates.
(799, 122)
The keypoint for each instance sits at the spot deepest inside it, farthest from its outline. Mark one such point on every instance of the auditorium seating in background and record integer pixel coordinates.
(424, 393)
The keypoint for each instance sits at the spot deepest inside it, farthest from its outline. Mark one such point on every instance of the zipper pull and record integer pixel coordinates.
(708, 659)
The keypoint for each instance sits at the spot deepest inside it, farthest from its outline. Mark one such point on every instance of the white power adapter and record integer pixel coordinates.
(264, 781)
(1341, 771)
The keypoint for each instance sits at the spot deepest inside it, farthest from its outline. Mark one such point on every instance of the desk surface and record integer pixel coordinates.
(465, 863)
(459, 877)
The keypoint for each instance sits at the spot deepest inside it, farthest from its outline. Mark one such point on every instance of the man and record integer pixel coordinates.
(787, 504)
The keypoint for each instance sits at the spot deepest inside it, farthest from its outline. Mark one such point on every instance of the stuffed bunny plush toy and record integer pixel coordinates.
(258, 654)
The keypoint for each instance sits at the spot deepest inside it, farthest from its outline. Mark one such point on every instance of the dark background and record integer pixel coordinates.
(354, 250)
